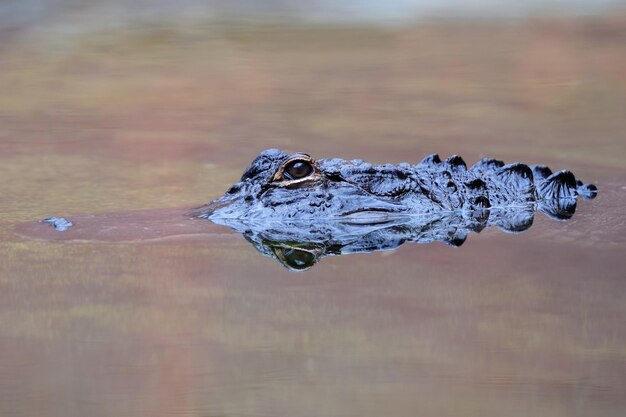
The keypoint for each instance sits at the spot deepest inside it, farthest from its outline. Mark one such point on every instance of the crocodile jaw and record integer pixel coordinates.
(324, 200)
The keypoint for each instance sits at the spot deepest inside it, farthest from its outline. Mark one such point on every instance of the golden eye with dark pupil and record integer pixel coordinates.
(298, 169)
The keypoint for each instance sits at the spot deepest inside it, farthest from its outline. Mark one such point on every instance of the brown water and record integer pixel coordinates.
(133, 322)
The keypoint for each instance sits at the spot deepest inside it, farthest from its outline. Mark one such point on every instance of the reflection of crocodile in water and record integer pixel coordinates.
(297, 209)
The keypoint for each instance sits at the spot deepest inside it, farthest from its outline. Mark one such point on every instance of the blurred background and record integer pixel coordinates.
(88, 15)
(157, 100)
(110, 106)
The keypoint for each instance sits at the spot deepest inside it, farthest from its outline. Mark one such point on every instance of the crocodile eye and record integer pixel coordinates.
(295, 170)
(298, 259)
(295, 259)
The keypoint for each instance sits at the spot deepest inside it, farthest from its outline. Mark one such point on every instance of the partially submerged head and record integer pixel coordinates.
(280, 186)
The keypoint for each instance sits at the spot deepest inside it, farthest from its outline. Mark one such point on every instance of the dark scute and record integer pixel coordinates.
(516, 227)
(565, 177)
(451, 186)
(388, 187)
(266, 162)
(432, 159)
(513, 221)
(518, 179)
(456, 162)
(457, 239)
(541, 172)
(561, 184)
(518, 169)
(234, 189)
(558, 209)
(482, 201)
(486, 164)
(588, 191)
(476, 184)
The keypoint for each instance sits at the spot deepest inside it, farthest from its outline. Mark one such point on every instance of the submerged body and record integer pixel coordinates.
(278, 185)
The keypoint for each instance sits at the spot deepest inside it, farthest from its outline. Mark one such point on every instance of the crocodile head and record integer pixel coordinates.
(283, 186)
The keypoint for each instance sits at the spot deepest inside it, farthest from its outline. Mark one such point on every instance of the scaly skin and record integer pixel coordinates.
(337, 188)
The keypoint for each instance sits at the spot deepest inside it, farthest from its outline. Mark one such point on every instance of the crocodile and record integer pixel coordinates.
(283, 186)
(298, 210)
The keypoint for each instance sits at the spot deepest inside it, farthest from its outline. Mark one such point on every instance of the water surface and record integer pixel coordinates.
(158, 120)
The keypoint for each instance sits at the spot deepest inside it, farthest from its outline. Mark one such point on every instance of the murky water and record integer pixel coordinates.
(161, 318)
